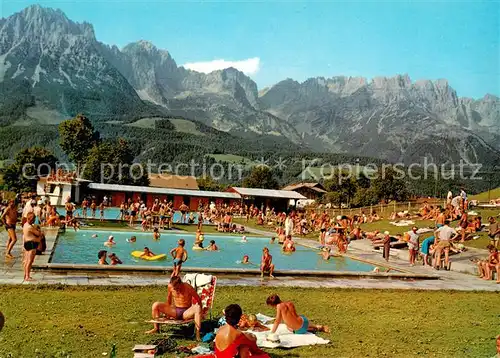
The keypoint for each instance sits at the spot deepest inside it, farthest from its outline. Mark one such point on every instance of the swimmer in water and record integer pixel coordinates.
(147, 253)
(94, 235)
(212, 246)
(114, 259)
(273, 239)
(244, 239)
(325, 253)
(246, 260)
(132, 239)
(110, 241)
(156, 234)
(288, 245)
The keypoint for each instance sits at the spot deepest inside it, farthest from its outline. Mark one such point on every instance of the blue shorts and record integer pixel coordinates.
(305, 326)
(439, 225)
(177, 262)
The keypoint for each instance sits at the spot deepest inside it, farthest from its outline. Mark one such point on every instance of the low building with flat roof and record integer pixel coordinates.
(278, 199)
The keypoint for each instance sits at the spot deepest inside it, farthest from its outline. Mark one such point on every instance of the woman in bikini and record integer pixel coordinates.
(231, 342)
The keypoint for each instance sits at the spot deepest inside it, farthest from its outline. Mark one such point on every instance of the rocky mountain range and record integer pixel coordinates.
(52, 68)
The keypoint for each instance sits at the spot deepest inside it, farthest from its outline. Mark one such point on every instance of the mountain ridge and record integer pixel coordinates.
(49, 62)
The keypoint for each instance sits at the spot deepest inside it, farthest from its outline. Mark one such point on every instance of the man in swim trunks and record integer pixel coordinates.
(286, 313)
(31, 240)
(179, 305)
(9, 218)
(179, 254)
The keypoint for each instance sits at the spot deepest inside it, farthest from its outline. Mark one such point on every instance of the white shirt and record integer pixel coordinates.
(413, 242)
(445, 233)
(456, 201)
(449, 196)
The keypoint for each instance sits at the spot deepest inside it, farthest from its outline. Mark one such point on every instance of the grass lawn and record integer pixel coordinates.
(483, 197)
(86, 321)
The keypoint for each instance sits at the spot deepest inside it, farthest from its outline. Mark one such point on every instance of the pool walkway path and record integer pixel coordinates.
(11, 272)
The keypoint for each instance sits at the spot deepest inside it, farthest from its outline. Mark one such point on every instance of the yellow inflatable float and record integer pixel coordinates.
(148, 258)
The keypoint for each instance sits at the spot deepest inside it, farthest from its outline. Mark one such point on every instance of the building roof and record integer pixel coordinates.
(270, 193)
(314, 186)
(172, 181)
(164, 191)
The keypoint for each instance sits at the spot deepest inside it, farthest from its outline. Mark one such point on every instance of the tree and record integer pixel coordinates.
(77, 138)
(29, 164)
(261, 177)
(208, 183)
(387, 187)
(111, 162)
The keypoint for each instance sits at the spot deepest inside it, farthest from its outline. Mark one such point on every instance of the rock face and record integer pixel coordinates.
(52, 61)
(388, 117)
(47, 61)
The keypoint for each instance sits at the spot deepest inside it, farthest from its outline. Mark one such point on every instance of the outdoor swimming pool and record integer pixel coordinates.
(80, 248)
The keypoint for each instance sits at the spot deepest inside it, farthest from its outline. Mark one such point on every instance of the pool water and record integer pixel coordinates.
(80, 248)
(113, 213)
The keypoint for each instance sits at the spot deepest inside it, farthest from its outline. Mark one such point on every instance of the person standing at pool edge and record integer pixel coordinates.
(31, 241)
(9, 218)
(266, 264)
(179, 254)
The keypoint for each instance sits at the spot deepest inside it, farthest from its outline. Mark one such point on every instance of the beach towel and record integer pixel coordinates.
(288, 339)
(262, 318)
(424, 230)
(402, 223)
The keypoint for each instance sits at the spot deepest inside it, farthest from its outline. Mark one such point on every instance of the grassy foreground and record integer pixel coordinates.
(86, 321)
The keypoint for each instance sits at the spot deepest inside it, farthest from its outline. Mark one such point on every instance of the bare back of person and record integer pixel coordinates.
(289, 315)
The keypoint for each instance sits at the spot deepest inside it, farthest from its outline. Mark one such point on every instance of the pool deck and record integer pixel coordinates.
(417, 277)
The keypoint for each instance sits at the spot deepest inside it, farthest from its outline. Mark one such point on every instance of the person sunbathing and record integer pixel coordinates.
(251, 322)
(492, 264)
(183, 303)
(286, 313)
(231, 342)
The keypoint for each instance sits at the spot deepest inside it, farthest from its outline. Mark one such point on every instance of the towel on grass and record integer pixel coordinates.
(424, 230)
(262, 318)
(288, 339)
(402, 223)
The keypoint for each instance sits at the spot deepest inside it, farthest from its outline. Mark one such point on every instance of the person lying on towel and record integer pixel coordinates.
(286, 313)
(182, 295)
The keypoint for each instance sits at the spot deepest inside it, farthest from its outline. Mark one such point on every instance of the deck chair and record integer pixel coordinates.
(206, 291)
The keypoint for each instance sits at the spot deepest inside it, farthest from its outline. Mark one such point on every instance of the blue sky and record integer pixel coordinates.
(458, 41)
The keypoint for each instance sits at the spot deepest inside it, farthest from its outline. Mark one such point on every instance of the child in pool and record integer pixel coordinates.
(212, 246)
(179, 254)
(110, 241)
(114, 259)
(156, 234)
(132, 239)
(147, 253)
